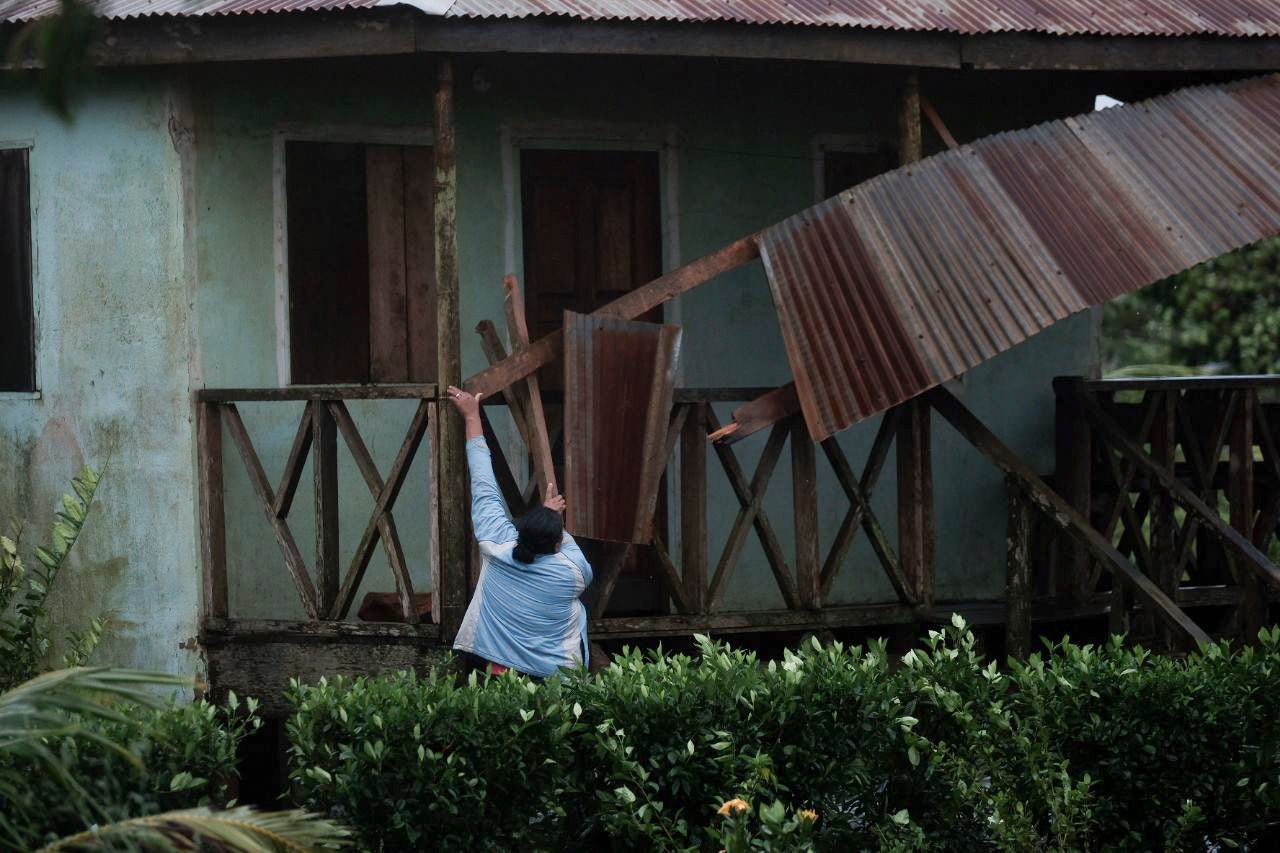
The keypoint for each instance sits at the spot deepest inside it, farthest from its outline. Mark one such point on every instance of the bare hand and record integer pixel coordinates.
(468, 405)
(554, 500)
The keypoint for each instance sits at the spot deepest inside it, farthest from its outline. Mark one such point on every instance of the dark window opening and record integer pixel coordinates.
(362, 295)
(844, 169)
(17, 338)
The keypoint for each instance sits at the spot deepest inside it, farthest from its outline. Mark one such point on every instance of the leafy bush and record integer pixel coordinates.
(830, 748)
(179, 756)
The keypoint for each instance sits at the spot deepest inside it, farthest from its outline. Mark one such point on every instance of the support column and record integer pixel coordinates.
(1252, 612)
(451, 477)
(324, 466)
(1073, 479)
(1018, 580)
(915, 499)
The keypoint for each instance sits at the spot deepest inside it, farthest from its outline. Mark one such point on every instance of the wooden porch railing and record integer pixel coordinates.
(327, 593)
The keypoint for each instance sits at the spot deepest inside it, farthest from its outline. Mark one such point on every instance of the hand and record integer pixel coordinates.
(554, 500)
(468, 405)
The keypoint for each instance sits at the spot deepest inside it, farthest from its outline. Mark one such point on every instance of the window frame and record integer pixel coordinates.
(35, 393)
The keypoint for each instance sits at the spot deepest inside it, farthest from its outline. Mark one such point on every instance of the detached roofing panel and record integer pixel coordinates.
(966, 17)
(954, 259)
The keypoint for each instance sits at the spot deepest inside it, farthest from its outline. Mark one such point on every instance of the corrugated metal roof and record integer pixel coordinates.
(619, 377)
(920, 274)
(970, 17)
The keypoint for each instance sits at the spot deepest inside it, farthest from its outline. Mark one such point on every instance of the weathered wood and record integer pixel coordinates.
(1203, 461)
(935, 120)
(910, 135)
(452, 479)
(539, 443)
(433, 503)
(693, 507)
(1184, 383)
(1017, 589)
(674, 583)
(502, 470)
(388, 306)
(324, 468)
(862, 616)
(1251, 615)
(513, 394)
(406, 391)
(1073, 479)
(752, 514)
(297, 459)
(606, 576)
(916, 538)
(1269, 515)
(1244, 548)
(1060, 512)
(804, 496)
(628, 307)
(266, 499)
(760, 413)
(213, 523)
(1025, 51)
(420, 261)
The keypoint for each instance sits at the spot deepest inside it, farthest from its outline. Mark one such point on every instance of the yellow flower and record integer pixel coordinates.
(807, 815)
(734, 806)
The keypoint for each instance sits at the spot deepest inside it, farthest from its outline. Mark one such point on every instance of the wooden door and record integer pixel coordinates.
(592, 232)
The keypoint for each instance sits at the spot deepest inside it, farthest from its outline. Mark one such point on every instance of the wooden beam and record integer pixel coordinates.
(910, 135)
(1252, 612)
(693, 507)
(935, 120)
(452, 473)
(916, 535)
(1017, 589)
(1038, 51)
(1073, 478)
(406, 391)
(514, 394)
(544, 471)
(1251, 556)
(761, 413)
(213, 522)
(1061, 513)
(628, 307)
(325, 474)
(804, 496)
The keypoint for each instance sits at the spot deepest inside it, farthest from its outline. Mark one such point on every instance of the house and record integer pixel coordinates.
(271, 229)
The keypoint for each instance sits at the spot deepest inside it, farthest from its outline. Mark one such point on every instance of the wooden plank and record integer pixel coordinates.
(1073, 478)
(388, 306)
(452, 481)
(407, 391)
(544, 471)
(1061, 513)
(213, 523)
(761, 413)
(420, 261)
(325, 475)
(1017, 590)
(693, 507)
(740, 622)
(433, 504)
(674, 583)
(910, 135)
(292, 474)
(515, 393)
(804, 491)
(502, 470)
(284, 537)
(935, 121)
(1252, 612)
(1187, 383)
(1252, 557)
(629, 306)
(916, 537)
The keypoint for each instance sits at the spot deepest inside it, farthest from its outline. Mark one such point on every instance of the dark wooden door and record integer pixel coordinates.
(592, 232)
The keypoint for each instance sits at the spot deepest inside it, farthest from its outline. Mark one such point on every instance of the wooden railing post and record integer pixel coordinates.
(1073, 479)
(1018, 580)
(693, 507)
(213, 524)
(324, 467)
(1252, 612)
(1164, 527)
(915, 499)
(804, 490)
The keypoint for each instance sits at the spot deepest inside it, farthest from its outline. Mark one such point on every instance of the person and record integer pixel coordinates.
(527, 612)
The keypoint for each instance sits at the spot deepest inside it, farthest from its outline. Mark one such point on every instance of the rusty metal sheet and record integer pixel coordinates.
(1057, 17)
(969, 17)
(619, 376)
(915, 276)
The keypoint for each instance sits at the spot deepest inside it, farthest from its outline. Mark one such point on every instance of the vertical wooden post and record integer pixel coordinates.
(1253, 605)
(804, 489)
(693, 507)
(910, 135)
(1017, 588)
(213, 523)
(433, 499)
(1073, 478)
(324, 467)
(452, 474)
(915, 498)
(1164, 526)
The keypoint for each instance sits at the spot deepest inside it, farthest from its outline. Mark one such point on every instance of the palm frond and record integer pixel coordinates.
(241, 830)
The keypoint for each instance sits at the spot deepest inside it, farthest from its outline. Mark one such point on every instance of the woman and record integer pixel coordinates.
(526, 614)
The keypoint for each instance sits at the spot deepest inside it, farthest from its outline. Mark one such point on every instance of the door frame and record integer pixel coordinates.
(352, 134)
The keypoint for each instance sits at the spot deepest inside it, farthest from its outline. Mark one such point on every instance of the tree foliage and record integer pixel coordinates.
(1222, 316)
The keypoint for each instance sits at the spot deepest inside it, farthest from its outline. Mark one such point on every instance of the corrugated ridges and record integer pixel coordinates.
(915, 276)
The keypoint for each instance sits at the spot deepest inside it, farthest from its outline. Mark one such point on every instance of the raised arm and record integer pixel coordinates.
(489, 516)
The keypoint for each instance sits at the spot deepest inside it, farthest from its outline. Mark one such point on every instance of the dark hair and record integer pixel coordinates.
(540, 530)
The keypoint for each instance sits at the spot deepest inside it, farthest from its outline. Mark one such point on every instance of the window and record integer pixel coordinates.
(17, 335)
(362, 293)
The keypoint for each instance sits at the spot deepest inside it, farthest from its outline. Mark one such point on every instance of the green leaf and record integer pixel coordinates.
(625, 794)
(902, 818)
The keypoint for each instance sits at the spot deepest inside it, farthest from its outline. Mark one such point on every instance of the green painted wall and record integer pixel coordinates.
(113, 353)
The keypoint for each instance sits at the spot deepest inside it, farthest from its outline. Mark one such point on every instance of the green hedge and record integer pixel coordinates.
(188, 758)
(832, 748)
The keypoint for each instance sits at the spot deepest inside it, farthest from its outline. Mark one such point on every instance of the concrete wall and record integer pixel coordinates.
(113, 344)
(736, 144)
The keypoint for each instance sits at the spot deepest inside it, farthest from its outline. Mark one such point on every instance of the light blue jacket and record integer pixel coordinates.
(527, 616)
